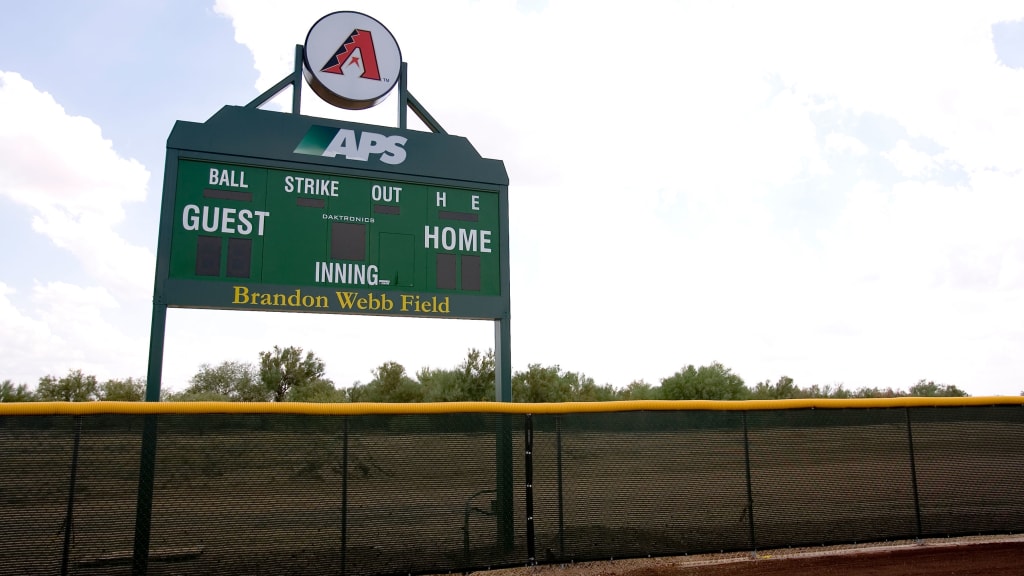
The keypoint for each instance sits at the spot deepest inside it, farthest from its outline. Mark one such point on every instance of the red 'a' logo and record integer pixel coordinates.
(355, 55)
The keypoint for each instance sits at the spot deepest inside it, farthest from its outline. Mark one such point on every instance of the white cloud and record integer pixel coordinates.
(75, 188)
(63, 327)
(25, 340)
(933, 69)
(72, 180)
(910, 162)
(840, 143)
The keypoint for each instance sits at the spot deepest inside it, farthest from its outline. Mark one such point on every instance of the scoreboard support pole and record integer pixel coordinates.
(502, 360)
(147, 456)
(505, 505)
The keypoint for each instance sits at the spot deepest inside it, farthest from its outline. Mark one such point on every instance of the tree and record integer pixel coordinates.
(127, 390)
(542, 384)
(876, 392)
(584, 389)
(390, 384)
(470, 381)
(931, 389)
(476, 376)
(75, 387)
(826, 391)
(10, 392)
(714, 382)
(783, 389)
(286, 369)
(394, 385)
(321, 390)
(227, 381)
(440, 385)
(640, 390)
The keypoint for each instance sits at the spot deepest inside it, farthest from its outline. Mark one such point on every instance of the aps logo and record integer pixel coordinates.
(332, 142)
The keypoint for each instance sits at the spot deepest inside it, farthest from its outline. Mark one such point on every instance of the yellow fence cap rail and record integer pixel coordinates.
(365, 408)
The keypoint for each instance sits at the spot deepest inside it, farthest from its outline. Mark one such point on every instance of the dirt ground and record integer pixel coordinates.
(976, 556)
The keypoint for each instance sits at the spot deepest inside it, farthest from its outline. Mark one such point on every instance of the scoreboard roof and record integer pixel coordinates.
(275, 136)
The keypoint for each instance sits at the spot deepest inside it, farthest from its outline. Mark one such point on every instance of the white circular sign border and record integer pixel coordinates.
(347, 91)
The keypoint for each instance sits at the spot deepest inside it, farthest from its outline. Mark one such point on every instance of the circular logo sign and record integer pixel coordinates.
(351, 60)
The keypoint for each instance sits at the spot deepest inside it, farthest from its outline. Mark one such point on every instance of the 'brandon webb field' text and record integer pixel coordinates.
(344, 300)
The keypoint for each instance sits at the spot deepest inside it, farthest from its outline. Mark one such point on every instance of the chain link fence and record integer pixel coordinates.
(426, 489)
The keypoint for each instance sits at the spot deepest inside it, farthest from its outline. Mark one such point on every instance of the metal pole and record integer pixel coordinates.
(147, 458)
(913, 472)
(503, 449)
(504, 500)
(561, 500)
(531, 548)
(344, 495)
(156, 352)
(502, 360)
(69, 516)
(403, 97)
(750, 488)
(297, 80)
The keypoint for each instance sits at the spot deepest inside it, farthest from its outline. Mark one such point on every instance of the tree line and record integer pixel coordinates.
(293, 375)
(75, 387)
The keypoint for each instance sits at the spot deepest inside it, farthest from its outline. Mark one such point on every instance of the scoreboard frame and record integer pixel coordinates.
(258, 140)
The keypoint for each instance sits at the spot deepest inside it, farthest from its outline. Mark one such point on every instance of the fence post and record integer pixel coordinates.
(750, 489)
(504, 501)
(344, 492)
(531, 550)
(147, 455)
(69, 516)
(913, 472)
(144, 499)
(503, 452)
(561, 500)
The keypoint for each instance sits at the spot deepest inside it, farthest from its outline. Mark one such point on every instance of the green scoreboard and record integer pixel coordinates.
(273, 211)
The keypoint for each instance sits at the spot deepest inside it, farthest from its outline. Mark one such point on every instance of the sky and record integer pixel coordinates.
(830, 191)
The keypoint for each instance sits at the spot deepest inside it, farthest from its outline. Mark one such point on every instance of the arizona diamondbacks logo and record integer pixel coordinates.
(356, 54)
(351, 60)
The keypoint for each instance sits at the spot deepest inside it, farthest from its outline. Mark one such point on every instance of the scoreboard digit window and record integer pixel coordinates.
(269, 226)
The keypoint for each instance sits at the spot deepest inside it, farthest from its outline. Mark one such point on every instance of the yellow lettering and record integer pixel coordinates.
(372, 302)
(347, 299)
(241, 295)
(381, 302)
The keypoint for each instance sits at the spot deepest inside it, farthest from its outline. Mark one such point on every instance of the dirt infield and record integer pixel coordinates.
(979, 556)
